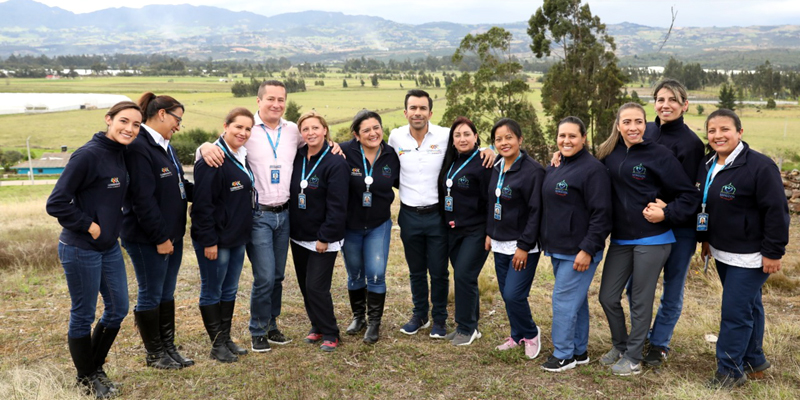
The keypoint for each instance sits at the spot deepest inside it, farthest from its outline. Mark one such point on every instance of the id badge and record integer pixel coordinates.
(366, 199)
(275, 176)
(448, 203)
(301, 201)
(498, 211)
(183, 190)
(702, 222)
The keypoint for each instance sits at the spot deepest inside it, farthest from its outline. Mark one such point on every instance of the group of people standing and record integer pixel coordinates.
(268, 184)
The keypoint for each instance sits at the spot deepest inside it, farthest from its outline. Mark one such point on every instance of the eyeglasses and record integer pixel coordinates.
(176, 117)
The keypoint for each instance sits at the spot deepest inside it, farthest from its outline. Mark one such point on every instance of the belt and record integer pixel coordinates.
(275, 209)
(421, 209)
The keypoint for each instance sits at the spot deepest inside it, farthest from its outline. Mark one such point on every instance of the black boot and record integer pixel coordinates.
(227, 316)
(375, 312)
(167, 328)
(147, 322)
(213, 321)
(102, 339)
(358, 302)
(81, 351)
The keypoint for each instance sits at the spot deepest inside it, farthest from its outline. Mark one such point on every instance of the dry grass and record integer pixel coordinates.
(35, 363)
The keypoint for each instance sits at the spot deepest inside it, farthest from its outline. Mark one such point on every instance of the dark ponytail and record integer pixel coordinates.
(150, 104)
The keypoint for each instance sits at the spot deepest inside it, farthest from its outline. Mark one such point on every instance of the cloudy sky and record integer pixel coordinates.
(644, 12)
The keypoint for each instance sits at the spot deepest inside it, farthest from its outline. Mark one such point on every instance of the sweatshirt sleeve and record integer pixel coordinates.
(773, 210)
(208, 190)
(61, 203)
(336, 202)
(530, 235)
(142, 196)
(678, 186)
(597, 198)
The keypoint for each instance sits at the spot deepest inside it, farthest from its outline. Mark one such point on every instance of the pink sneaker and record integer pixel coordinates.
(507, 345)
(532, 347)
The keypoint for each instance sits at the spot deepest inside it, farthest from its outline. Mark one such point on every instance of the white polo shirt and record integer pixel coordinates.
(419, 164)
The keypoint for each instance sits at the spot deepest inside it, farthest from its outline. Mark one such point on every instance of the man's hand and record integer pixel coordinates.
(488, 156)
(212, 154)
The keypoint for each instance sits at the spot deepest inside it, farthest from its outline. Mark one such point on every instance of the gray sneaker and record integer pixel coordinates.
(466, 340)
(450, 336)
(611, 357)
(625, 367)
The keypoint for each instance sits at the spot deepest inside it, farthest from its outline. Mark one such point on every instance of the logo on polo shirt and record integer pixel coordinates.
(313, 183)
(114, 183)
(236, 185)
(356, 172)
(400, 151)
(165, 172)
(728, 192)
(562, 188)
(387, 172)
(506, 193)
(639, 172)
(463, 182)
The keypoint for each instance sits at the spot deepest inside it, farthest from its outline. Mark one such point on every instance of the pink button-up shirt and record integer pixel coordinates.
(262, 160)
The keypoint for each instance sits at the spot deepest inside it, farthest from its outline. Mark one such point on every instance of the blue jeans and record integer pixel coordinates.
(366, 252)
(156, 273)
(219, 279)
(741, 328)
(467, 254)
(515, 286)
(88, 273)
(675, 270)
(267, 251)
(571, 308)
(424, 239)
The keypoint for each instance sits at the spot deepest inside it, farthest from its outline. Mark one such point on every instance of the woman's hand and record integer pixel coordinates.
(556, 160)
(94, 230)
(165, 248)
(520, 260)
(653, 214)
(336, 149)
(321, 247)
(488, 156)
(212, 155)
(705, 251)
(487, 245)
(771, 266)
(582, 261)
(658, 203)
(211, 252)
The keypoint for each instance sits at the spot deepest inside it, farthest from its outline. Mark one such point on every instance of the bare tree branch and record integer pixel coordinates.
(669, 31)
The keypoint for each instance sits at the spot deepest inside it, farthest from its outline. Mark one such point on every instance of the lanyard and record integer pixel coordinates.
(221, 143)
(502, 177)
(277, 142)
(449, 181)
(174, 161)
(709, 178)
(368, 171)
(303, 174)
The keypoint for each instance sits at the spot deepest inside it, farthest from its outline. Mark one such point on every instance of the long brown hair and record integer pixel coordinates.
(608, 146)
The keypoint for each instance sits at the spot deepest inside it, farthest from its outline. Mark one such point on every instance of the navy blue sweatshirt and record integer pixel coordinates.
(154, 211)
(640, 174)
(385, 176)
(325, 215)
(91, 189)
(470, 192)
(521, 200)
(577, 205)
(222, 211)
(746, 206)
(684, 144)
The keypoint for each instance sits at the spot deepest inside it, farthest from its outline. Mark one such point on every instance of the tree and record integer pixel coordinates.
(700, 109)
(771, 104)
(292, 112)
(344, 83)
(727, 97)
(374, 80)
(495, 90)
(9, 158)
(586, 82)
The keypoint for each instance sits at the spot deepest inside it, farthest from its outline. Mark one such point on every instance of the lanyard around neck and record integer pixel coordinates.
(277, 142)
(368, 171)
(502, 177)
(710, 178)
(303, 174)
(451, 177)
(224, 146)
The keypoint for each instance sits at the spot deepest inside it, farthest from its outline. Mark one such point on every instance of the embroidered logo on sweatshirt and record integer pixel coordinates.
(356, 172)
(114, 183)
(639, 172)
(463, 182)
(387, 172)
(236, 185)
(728, 192)
(313, 183)
(506, 193)
(562, 188)
(165, 172)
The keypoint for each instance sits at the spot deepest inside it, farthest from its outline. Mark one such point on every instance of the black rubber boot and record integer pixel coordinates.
(358, 303)
(227, 317)
(213, 322)
(167, 329)
(81, 351)
(148, 324)
(102, 339)
(375, 304)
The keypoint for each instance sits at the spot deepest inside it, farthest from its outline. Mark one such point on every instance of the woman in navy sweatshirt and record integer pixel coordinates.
(87, 200)
(512, 230)
(222, 218)
(463, 193)
(746, 231)
(153, 226)
(641, 238)
(317, 220)
(374, 172)
(576, 197)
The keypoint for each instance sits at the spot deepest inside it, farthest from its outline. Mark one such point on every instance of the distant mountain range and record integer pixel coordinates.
(200, 32)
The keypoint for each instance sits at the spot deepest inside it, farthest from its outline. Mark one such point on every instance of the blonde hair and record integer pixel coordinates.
(608, 146)
(320, 118)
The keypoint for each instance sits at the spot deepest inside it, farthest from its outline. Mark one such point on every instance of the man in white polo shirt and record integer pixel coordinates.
(421, 146)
